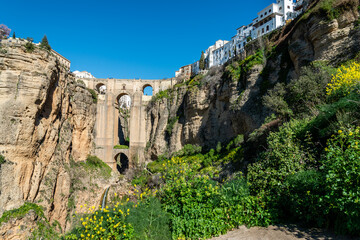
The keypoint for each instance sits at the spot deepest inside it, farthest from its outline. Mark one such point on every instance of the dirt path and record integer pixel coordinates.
(279, 233)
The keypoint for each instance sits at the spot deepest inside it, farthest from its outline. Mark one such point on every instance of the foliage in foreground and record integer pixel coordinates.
(44, 229)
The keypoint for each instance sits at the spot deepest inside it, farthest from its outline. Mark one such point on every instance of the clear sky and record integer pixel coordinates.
(129, 39)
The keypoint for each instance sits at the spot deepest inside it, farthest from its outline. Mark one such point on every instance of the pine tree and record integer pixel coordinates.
(202, 61)
(45, 43)
(14, 35)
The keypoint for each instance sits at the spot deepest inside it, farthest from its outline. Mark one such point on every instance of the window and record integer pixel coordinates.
(262, 30)
(261, 16)
(270, 11)
(267, 28)
(280, 8)
(265, 13)
(288, 7)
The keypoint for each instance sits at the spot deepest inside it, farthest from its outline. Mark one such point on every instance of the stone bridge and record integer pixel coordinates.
(107, 127)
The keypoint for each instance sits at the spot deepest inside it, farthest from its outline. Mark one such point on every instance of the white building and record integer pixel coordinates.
(83, 74)
(125, 101)
(272, 17)
(267, 20)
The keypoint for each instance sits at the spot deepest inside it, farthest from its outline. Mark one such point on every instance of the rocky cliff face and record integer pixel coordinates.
(46, 122)
(219, 106)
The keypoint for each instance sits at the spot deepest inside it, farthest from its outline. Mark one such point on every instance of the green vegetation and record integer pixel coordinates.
(92, 164)
(170, 124)
(81, 82)
(93, 95)
(239, 69)
(161, 95)
(304, 171)
(30, 47)
(331, 9)
(150, 221)
(2, 159)
(43, 231)
(45, 43)
(21, 212)
(202, 61)
(121, 147)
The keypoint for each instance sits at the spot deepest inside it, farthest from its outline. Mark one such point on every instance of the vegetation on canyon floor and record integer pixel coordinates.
(303, 167)
(308, 173)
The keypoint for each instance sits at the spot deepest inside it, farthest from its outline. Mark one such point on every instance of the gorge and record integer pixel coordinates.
(217, 128)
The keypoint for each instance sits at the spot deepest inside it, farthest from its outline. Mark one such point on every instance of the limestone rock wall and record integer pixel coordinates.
(46, 119)
(220, 109)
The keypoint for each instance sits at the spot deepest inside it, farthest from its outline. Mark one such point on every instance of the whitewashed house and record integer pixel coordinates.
(82, 74)
(267, 20)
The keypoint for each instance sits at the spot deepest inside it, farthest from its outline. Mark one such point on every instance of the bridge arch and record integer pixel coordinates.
(122, 162)
(124, 100)
(148, 90)
(101, 88)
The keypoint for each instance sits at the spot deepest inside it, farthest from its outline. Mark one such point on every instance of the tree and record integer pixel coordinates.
(45, 43)
(30, 39)
(14, 35)
(202, 61)
(4, 31)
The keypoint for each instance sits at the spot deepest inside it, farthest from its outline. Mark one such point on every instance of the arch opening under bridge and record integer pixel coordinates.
(122, 162)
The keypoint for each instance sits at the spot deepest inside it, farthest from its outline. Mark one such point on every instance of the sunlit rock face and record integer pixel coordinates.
(45, 119)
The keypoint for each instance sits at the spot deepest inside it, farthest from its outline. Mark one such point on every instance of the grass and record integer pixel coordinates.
(94, 164)
(93, 95)
(121, 147)
(21, 212)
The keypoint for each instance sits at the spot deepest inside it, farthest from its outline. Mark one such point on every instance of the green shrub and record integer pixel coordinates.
(93, 95)
(345, 81)
(149, 221)
(30, 47)
(236, 142)
(121, 147)
(200, 208)
(302, 198)
(2, 159)
(275, 101)
(161, 95)
(285, 156)
(238, 69)
(81, 82)
(141, 179)
(188, 150)
(93, 163)
(155, 166)
(170, 125)
(21, 212)
(108, 223)
(341, 165)
(43, 228)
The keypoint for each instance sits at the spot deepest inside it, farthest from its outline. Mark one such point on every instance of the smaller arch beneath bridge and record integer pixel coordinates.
(148, 90)
(101, 88)
(122, 162)
(124, 100)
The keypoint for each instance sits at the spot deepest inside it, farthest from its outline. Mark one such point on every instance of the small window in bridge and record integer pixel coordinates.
(148, 91)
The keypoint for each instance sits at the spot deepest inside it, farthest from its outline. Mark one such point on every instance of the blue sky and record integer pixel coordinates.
(129, 39)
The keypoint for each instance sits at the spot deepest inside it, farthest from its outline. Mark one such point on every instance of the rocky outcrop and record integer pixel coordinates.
(319, 38)
(218, 108)
(216, 111)
(46, 121)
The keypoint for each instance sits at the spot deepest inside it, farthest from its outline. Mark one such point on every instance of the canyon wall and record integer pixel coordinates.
(46, 128)
(218, 107)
